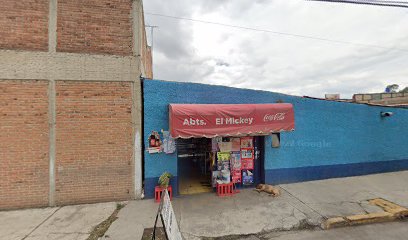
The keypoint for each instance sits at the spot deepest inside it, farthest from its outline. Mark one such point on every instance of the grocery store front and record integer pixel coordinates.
(327, 143)
(224, 143)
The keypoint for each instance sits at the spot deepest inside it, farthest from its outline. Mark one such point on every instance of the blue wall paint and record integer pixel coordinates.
(290, 175)
(327, 133)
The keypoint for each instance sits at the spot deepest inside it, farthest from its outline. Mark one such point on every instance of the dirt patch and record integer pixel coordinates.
(148, 233)
(102, 227)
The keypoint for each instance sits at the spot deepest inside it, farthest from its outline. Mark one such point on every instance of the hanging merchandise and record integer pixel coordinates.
(247, 177)
(154, 143)
(225, 146)
(235, 161)
(247, 142)
(236, 144)
(236, 167)
(248, 164)
(247, 158)
(236, 176)
(223, 161)
(223, 165)
(169, 144)
(225, 176)
(247, 153)
(214, 143)
(218, 139)
(216, 176)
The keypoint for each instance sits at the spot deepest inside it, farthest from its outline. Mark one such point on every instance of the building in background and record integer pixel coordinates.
(70, 101)
(387, 99)
(330, 96)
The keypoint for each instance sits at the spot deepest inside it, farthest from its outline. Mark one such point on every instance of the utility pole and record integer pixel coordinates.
(151, 44)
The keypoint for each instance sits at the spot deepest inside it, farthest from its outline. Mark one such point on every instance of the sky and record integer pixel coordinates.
(191, 51)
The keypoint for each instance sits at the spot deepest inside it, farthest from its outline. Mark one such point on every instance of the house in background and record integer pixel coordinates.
(387, 99)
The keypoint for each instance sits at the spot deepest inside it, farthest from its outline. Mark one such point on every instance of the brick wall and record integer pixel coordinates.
(23, 144)
(24, 25)
(94, 142)
(95, 26)
(94, 132)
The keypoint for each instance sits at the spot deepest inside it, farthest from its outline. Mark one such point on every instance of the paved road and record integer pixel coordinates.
(249, 212)
(381, 231)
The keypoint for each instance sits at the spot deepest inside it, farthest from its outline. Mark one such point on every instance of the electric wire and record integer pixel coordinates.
(369, 2)
(276, 32)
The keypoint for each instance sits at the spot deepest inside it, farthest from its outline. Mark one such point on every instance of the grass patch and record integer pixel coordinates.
(102, 227)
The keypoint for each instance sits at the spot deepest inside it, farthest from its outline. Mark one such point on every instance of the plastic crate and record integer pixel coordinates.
(158, 191)
(225, 189)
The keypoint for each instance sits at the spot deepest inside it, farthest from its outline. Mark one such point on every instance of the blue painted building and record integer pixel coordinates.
(331, 139)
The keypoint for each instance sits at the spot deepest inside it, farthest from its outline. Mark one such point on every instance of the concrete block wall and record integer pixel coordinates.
(70, 103)
(331, 139)
(382, 98)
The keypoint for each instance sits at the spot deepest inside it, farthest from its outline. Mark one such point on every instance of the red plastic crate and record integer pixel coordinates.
(158, 191)
(226, 189)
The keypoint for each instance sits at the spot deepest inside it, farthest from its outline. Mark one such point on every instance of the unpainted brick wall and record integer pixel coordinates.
(95, 26)
(24, 24)
(24, 137)
(94, 142)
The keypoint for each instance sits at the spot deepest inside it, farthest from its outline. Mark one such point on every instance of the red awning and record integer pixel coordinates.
(211, 120)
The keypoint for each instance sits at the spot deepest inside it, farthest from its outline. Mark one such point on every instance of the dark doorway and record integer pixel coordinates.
(259, 168)
(193, 159)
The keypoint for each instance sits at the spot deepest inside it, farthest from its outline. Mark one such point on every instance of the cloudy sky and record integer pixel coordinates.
(191, 51)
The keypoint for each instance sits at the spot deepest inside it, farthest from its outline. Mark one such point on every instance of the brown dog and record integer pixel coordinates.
(274, 191)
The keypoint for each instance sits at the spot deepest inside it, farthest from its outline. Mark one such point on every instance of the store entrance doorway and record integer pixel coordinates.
(193, 157)
(204, 162)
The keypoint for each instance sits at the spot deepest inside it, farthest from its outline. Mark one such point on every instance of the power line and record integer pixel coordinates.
(400, 4)
(275, 32)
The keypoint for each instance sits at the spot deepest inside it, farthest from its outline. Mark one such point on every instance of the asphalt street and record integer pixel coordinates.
(380, 231)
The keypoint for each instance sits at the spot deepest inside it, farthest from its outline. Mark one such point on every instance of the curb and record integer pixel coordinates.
(391, 212)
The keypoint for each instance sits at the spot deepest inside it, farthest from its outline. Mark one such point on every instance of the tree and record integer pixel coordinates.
(405, 90)
(393, 88)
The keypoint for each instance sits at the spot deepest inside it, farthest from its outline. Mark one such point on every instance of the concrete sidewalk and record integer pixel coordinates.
(62, 223)
(301, 205)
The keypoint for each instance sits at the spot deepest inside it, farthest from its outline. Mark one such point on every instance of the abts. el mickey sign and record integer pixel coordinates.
(210, 120)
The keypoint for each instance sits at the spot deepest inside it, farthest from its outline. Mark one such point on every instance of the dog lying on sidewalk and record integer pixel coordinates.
(273, 191)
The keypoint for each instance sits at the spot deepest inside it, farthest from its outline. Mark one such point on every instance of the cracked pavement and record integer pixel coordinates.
(63, 223)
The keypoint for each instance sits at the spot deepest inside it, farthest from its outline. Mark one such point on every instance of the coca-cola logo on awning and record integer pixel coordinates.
(274, 117)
